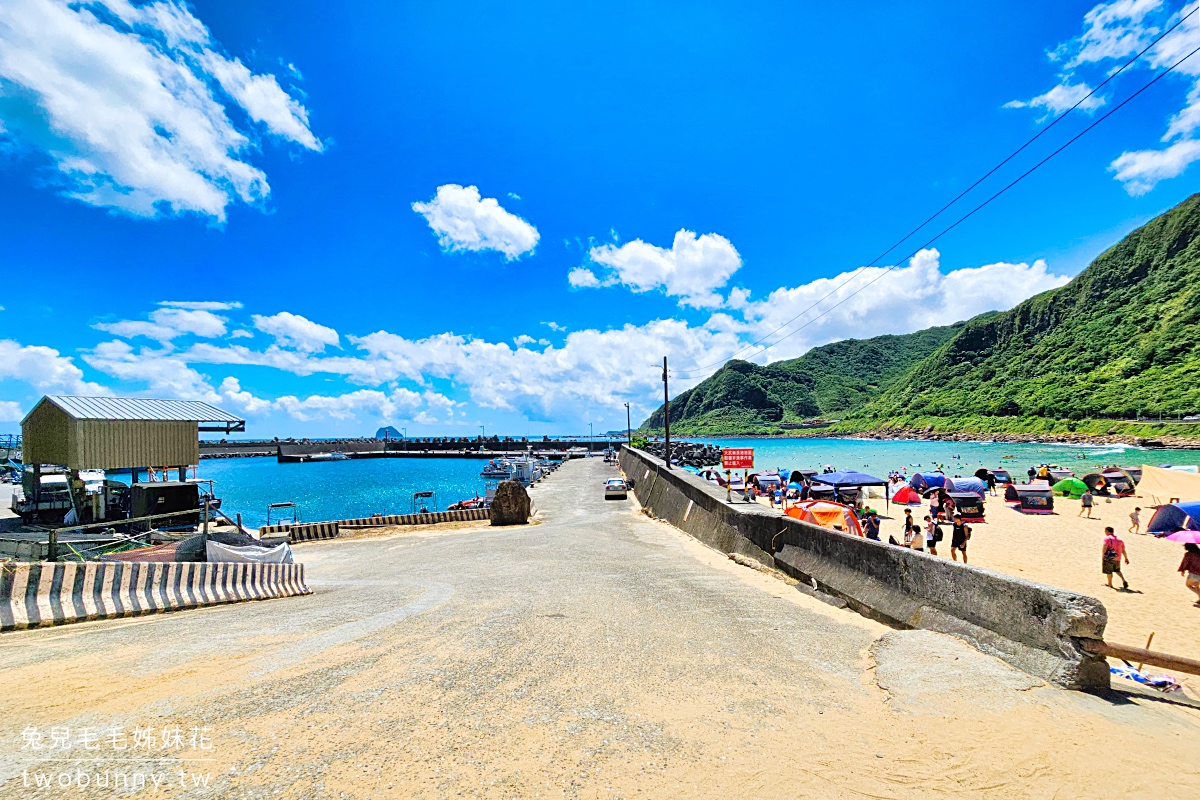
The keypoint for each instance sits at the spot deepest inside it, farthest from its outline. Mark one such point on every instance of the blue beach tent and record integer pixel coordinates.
(924, 481)
(851, 479)
(1175, 517)
(963, 485)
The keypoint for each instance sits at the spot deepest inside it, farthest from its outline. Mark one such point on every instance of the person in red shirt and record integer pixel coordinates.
(1113, 550)
(1191, 569)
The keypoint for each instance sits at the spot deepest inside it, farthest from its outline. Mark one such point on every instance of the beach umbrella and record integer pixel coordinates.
(1184, 537)
(1070, 487)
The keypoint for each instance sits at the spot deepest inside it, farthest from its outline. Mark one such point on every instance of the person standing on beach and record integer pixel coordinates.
(908, 523)
(1085, 504)
(1191, 569)
(1135, 522)
(958, 538)
(933, 535)
(1113, 551)
(871, 525)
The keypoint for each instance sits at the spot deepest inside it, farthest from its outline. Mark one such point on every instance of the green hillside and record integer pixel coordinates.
(826, 381)
(1119, 340)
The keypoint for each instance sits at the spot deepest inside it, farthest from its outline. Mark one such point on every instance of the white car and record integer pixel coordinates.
(615, 489)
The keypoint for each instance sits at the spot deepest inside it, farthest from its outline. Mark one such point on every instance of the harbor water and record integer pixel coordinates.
(361, 487)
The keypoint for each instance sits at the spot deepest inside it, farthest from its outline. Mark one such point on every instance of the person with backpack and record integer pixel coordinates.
(933, 535)
(1113, 550)
(958, 538)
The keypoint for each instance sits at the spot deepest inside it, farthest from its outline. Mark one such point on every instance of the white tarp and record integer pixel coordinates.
(1161, 486)
(218, 553)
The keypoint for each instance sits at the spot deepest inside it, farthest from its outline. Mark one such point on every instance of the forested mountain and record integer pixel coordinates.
(1121, 340)
(826, 381)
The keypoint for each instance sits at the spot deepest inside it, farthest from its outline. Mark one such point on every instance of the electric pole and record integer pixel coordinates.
(666, 417)
(628, 428)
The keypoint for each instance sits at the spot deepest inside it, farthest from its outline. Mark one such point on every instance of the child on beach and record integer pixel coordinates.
(1191, 569)
(1135, 522)
(1113, 551)
(933, 535)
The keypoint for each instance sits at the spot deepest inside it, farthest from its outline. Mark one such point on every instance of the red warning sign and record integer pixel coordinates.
(738, 458)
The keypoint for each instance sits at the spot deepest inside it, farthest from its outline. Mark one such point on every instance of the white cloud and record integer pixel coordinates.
(1061, 98)
(241, 333)
(164, 372)
(902, 300)
(1112, 33)
(44, 369)
(132, 105)
(463, 220)
(294, 331)
(352, 405)
(10, 411)
(166, 324)
(201, 305)
(692, 269)
(554, 326)
(583, 278)
(242, 401)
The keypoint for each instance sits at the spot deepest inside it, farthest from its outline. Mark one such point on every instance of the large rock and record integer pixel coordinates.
(511, 504)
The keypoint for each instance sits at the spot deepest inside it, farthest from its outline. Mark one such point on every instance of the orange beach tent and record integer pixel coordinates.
(827, 514)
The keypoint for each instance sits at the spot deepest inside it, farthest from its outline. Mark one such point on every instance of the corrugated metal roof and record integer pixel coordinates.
(141, 409)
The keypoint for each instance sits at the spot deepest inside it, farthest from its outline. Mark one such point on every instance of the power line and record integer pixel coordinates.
(979, 207)
(696, 370)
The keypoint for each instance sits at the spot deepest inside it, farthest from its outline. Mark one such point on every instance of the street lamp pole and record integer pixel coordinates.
(628, 428)
(666, 418)
(590, 435)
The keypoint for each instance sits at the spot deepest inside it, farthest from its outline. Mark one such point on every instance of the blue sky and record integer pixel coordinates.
(445, 215)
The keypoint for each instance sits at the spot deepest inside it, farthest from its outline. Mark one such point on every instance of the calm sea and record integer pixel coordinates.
(360, 487)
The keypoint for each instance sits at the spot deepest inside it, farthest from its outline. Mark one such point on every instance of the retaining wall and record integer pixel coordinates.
(1036, 628)
(44, 594)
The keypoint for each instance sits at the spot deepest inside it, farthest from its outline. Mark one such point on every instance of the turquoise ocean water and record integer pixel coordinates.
(360, 487)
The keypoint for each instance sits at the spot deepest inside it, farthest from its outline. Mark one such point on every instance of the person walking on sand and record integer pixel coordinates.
(1135, 521)
(1191, 569)
(958, 538)
(1085, 503)
(1113, 551)
(933, 535)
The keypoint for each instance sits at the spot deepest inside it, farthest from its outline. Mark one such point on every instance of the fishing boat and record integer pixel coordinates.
(497, 469)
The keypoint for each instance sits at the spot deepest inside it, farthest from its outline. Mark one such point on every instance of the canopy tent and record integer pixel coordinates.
(924, 481)
(907, 496)
(960, 485)
(1175, 517)
(969, 505)
(852, 480)
(1160, 486)
(1070, 487)
(827, 514)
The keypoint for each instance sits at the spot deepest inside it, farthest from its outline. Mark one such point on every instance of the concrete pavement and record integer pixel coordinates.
(597, 653)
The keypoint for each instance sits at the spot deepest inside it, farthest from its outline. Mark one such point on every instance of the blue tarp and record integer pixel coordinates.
(924, 481)
(1175, 517)
(849, 478)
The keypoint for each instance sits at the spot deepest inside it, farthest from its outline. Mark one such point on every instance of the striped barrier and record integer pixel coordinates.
(43, 594)
(327, 530)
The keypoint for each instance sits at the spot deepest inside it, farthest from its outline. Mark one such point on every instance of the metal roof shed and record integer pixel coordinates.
(119, 432)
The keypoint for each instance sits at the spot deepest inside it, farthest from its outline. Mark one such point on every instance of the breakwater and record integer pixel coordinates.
(432, 447)
(1039, 629)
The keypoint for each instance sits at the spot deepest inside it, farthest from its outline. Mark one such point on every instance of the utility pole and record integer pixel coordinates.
(666, 417)
(628, 428)
(590, 437)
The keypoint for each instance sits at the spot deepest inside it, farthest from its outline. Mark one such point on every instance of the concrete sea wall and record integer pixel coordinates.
(44, 594)
(308, 531)
(1036, 628)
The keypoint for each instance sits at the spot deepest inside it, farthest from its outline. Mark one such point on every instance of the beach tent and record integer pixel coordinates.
(960, 485)
(1133, 472)
(969, 505)
(924, 481)
(827, 514)
(767, 482)
(1175, 517)
(907, 496)
(849, 482)
(1002, 475)
(1110, 481)
(1032, 498)
(1070, 487)
(1160, 486)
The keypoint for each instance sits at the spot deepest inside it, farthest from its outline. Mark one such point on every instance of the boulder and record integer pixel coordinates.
(510, 505)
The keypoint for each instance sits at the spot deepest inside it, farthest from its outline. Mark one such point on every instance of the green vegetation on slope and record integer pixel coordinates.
(1119, 340)
(826, 381)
